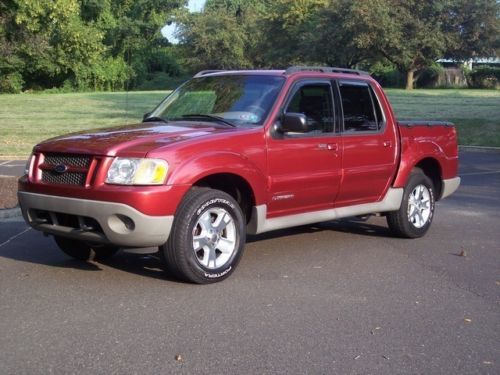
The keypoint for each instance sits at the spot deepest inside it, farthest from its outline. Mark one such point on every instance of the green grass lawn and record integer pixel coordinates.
(476, 113)
(26, 119)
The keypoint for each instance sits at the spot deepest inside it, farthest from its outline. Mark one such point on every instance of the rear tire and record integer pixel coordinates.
(414, 217)
(207, 238)
(85, 251)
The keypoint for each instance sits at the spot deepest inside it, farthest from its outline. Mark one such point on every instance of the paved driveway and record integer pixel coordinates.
(341, 297)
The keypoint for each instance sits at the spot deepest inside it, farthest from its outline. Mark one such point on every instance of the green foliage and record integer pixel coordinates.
(429, 76)
(484, 77)
(92, 44)
(161, 81)
(387, 74)
(11, 83)
(472, 28)
(289, 31)
(223, 36)
(117, 44)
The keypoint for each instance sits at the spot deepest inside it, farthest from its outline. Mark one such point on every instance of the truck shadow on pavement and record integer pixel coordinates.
(33, 248)
(45, 252)
(352, 225)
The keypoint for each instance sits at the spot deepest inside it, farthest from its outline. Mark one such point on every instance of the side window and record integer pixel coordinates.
(314, 101)
(361, 108)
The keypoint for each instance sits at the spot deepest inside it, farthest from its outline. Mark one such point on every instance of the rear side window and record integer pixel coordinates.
(361, 108)
(315, 101)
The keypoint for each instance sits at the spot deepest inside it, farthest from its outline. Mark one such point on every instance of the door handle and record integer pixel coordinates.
(387, 143)
(332, 146)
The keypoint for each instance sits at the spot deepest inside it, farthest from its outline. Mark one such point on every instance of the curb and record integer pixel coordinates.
(479, 148)
(10, 212)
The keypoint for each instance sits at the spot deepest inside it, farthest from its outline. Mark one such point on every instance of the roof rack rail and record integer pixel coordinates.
(205, 72)
(325, 69)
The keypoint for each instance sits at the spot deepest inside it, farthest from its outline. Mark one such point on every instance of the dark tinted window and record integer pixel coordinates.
(361, 108)
(315, 101)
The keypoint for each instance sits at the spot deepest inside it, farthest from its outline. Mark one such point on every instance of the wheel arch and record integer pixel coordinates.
(432, 169)
(429, 165)
(226, 171)
(426, 155)
(234, 185)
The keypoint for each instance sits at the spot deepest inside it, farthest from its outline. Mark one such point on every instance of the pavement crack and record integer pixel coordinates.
(14, 237)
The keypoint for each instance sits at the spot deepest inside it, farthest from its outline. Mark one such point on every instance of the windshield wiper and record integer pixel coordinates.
(154, 119)
(211, 117)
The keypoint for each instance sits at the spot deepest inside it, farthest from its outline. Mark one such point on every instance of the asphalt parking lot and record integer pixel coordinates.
(337, 298)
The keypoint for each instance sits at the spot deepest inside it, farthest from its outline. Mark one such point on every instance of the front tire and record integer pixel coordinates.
(207, 239)
(414, 217)
(85, 251)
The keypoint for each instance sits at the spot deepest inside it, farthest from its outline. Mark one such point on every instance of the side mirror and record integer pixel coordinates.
(293, 122)
(145, 116)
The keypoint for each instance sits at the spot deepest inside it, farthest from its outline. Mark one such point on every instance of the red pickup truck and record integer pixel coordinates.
(236, 152)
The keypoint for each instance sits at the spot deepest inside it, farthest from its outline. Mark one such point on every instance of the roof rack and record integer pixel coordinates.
(205, 72)
(325, 69)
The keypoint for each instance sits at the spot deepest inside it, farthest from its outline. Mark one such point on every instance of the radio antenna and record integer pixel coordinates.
(127, 85)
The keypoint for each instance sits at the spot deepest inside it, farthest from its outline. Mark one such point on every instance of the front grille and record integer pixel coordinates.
(68, 178)
(81, 161)
(71, 161)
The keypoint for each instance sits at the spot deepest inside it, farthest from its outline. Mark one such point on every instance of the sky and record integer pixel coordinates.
(168, 30)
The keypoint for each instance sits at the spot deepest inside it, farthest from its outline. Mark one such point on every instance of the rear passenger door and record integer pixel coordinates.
(305, 168)
(369, 145)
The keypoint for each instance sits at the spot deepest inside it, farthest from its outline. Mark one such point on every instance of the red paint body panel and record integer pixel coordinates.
(291, 175)
(150, 200)
(421, 141)
(370, 161)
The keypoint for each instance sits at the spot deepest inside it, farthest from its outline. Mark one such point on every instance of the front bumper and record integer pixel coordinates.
(94, 221)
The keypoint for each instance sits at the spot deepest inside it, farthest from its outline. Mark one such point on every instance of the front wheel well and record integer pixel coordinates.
(234, 185)
(432, 169)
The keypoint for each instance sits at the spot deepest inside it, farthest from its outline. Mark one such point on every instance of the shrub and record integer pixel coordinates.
(484, 77)
(160, 81)
(11, 83)
(429, 77)
(387, 75)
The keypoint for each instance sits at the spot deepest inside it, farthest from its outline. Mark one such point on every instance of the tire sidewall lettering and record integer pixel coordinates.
(205, 205)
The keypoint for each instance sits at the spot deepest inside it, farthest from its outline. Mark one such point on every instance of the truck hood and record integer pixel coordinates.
(131, 140)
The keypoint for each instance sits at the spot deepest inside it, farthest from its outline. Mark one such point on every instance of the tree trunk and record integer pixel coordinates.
(409, 79)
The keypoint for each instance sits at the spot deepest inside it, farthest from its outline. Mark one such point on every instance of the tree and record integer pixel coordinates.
(223, 36)
(290, 31)
(86, 44)
(334, 41)
(408, 34)
(132, 33)
(473, 29)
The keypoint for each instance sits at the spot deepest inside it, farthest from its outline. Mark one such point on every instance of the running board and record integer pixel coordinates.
(260, 223)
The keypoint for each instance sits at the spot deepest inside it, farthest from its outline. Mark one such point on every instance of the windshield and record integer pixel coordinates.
(234, 99)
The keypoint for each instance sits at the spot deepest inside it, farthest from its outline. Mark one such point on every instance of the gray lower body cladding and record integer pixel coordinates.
(94, 221)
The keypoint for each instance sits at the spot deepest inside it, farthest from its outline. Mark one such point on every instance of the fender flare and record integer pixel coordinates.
(209, 163)
(413, 155)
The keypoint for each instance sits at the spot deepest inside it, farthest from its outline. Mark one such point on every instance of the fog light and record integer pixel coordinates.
(121, 224)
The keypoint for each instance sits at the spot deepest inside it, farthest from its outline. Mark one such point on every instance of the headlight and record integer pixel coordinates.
(28, 165)
(133, 171)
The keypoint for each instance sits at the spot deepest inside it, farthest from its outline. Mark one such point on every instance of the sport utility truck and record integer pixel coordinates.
(236, 152)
